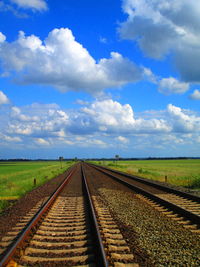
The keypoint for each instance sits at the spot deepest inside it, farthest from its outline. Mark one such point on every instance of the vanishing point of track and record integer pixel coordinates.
(72, 228)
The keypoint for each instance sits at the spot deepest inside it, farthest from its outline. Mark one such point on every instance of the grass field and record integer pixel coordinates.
(184, 172)
(17, 178)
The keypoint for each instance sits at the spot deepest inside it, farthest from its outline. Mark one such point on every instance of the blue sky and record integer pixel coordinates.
(98, 78)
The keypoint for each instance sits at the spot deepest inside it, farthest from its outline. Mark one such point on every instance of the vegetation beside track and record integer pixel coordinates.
(183, 172)
(17, 178)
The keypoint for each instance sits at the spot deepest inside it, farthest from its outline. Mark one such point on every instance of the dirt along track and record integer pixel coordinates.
(161, 239)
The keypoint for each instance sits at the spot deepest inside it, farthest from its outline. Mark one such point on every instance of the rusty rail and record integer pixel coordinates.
(179, 210)
(151, 183)
(100, 250)
(25, 233)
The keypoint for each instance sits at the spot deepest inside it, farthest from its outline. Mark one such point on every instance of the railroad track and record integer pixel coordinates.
(72, 228)
(178, 205)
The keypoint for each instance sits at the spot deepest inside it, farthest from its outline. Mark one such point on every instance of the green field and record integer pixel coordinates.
(184, 172)
(17, 178)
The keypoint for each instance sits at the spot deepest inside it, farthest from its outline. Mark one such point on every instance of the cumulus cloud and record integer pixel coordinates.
(172, 86)
(3, 98)
(95, 142)
(60, 61)
(195, 95)
(161, 27)
(2, 37)
(110, 117)
(38, 121)
(122, 139)
(166, 86)
(153, 30)
(182, 121)
(16, 114)
(102, 123)
(17, 7)
(110, 114)
(38, 5)
(149, 75)
(9, 139)
(105, 117)
(42, 141)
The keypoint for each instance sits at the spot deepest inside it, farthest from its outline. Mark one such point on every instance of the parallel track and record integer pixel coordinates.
(183, 205)
(70, 229)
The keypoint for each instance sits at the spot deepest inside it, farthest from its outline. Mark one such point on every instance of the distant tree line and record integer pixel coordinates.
(117, 157)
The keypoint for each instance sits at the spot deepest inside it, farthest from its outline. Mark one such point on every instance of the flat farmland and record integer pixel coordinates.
(17, 178)
(183, 172)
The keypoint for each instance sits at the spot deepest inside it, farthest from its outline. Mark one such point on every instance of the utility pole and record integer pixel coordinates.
(61, 159)
(117, 157)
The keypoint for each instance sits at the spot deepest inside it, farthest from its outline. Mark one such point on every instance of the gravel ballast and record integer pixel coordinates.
(162, 240)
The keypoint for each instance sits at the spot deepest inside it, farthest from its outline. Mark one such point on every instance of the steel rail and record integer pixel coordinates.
(100, 250)
(25, 233)
(177, 209)
(151, 183)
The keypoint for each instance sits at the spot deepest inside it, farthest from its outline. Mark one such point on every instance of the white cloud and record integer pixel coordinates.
(87, 126)
(101, 124)
(110, 113)
(39, 5)
(82, 102)
(161, 27)
(110, 116)
(95, 142)
(103, 40)
(2, 37)
(166, 86)
(38, 121)
(16, 114)
(122, 139)
(9, 139)
(41, 141)
(182, 121)
(146, 24)
(195, 95)
(105, 117)
(3, 98)
(149, 75)
(68, 142)
(172, 86)
(60, 61)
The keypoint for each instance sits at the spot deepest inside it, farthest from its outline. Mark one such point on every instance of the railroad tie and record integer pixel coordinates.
(17, 228)
(63, 237)
(117, 249)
